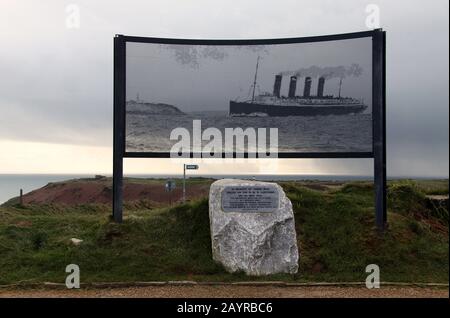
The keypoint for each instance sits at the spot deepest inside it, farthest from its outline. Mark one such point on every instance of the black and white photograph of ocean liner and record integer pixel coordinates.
(318, 95)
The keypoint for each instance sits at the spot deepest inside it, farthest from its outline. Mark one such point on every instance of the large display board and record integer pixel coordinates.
(314, 97)
(311, 97)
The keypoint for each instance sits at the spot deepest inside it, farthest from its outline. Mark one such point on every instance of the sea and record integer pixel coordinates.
(333, 133)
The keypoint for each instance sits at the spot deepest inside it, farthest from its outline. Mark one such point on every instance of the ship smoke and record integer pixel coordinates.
(327, 72)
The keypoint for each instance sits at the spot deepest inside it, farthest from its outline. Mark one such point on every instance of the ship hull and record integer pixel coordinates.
(248, 109)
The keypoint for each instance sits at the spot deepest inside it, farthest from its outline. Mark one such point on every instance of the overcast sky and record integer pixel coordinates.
(56, 82)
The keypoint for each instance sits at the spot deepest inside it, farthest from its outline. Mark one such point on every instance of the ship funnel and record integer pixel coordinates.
(292, 86)
(320, 86)
(307, 88)
(277, 85)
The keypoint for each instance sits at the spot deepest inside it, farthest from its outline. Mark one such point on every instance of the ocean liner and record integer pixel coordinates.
(274, 104)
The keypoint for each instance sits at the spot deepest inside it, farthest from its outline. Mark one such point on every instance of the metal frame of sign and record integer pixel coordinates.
(378, 152)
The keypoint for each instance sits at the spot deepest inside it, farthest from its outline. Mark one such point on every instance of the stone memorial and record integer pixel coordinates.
(252, 227)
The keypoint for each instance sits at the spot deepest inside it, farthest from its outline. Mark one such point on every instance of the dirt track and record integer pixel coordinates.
(235, 291)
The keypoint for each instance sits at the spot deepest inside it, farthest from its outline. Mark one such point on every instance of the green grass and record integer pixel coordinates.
(335, 232)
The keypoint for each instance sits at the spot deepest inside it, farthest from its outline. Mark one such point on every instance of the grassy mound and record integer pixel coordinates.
(335, 232)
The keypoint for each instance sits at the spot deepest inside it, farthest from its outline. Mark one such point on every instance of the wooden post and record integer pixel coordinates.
(21, 197)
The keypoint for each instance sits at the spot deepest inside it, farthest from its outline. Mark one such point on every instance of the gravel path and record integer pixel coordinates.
(232, 291)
